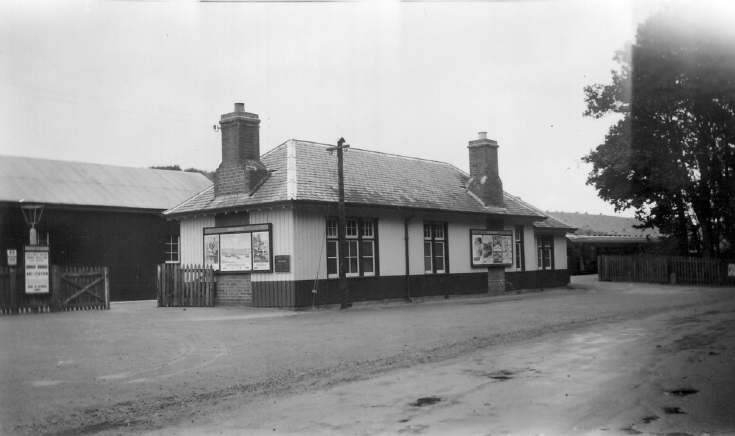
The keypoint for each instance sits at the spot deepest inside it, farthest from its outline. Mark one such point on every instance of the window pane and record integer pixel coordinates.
(352, 265)
(367, 265)
(439, 256)
(367, 229)
(331, 248)
(427, 264)
(331, 228)
(427, 231)
(332, 266)
(439, 231)
(351, 228)
(367, 249)
(352, 248)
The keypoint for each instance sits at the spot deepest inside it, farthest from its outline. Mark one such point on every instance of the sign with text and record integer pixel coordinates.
(491, 247)
(282, 263)
(36, 269)
(12, 256)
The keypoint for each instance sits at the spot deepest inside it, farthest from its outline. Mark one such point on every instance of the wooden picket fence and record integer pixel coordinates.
(662, 269)
(71, 288)
(185, 285)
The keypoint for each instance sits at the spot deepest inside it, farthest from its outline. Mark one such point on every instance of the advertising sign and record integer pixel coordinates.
(261, 251)
(242, 248)
(235, 252)
(211, 251)
(491, 247)
(36, 270)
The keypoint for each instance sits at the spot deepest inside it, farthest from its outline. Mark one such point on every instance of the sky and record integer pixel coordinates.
(141, 83)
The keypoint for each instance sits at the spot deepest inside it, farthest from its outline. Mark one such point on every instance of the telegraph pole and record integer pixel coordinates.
(342, 281)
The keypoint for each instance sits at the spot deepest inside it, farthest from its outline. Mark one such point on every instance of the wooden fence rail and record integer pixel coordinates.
(662, 269)
(71, 288)
(185, 285)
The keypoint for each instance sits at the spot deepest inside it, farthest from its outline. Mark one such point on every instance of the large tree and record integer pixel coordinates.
(671, 154)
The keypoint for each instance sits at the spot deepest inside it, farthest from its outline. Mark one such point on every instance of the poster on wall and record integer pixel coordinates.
(235, 252)
(36, 270)
(261, 251)
(491, 247)
(242, 248)
(211, 251)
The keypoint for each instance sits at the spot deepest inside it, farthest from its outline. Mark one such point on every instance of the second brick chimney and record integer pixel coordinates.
(484, 177)
(241, 169)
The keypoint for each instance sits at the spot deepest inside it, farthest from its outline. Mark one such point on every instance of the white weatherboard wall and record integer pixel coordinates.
(282, 221)
(459, 246)
(529, 248)
(415, 246)
(190, 239)
(560, 252)
(309, 257)
(391, 246)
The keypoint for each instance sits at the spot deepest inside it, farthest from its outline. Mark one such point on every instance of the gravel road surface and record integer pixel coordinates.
(137, 368)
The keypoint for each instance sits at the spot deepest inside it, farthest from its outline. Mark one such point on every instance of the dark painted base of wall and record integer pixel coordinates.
(299, 293)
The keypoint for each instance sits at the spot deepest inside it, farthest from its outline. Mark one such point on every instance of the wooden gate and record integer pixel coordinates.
(185, 286)
(81, 287)
(71, 288)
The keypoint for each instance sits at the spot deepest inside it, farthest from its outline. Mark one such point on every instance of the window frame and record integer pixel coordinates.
(168, 251)
(431, 238)
(545, 242)
(359, 237)
(520, 250)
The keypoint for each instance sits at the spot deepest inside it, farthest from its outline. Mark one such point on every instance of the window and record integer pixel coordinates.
(435, 248)
(545, 244)
(520, 261)
(332, 259)
(172, 249)
(360, 247)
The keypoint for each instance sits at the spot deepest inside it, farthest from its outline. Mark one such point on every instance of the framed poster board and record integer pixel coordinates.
(245, 248)
(36, 269)
(235, 252)
(491, 247)
(211, 251)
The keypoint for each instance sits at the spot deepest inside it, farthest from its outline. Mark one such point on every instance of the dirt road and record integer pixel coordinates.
(136, 369)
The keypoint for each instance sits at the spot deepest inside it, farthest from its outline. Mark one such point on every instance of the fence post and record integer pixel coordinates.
(107, 288)
(13, 287)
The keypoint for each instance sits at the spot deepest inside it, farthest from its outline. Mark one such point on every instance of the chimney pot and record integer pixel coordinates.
(482, 135)
(239, 107)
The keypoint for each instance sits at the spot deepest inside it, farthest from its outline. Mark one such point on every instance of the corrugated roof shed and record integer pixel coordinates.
(87, 184)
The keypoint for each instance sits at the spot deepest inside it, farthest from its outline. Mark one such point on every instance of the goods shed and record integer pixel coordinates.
(95, 214)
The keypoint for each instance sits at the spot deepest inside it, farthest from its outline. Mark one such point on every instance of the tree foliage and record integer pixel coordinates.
(671, 155)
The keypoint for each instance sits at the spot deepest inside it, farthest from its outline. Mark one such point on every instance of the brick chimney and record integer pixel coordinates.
(484, 178)
(241, 169)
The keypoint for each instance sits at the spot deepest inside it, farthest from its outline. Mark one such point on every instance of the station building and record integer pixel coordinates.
(96, 215)
(415, 227)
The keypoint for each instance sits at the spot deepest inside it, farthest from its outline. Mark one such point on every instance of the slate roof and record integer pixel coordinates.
(306, 171)
(86, 184)
(604, 225)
